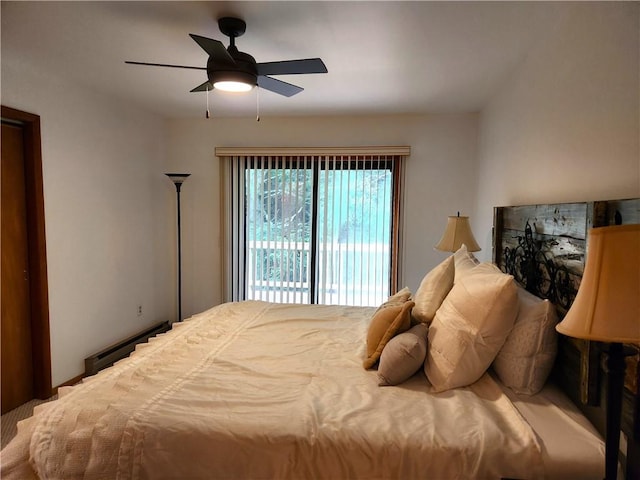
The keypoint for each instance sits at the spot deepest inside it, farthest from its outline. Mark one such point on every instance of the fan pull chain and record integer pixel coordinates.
(257, 104)
(207, 115)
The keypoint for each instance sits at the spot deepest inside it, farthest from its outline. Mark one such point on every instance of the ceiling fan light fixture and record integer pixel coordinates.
(232, 86)
(233, 81)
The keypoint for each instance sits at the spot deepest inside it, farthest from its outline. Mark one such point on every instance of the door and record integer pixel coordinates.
(317, 228)
(17, 363)
(25, 353)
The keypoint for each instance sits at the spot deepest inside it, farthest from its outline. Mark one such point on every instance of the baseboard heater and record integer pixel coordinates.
(120, 350)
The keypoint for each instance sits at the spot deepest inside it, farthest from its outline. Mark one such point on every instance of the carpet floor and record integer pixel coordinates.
(9, 420)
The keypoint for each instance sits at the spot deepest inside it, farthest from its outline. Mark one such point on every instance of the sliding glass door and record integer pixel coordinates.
(315, 229)
(279, 216)
(354, 232)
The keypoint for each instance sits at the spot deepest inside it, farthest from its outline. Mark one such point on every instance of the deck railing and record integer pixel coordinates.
(280, 271)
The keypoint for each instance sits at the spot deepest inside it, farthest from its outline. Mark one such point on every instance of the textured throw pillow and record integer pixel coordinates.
(432, 291)
(401, 296)
(464, 261)
(390, 319)
(403, 355)
(526, 358)
(470, 327)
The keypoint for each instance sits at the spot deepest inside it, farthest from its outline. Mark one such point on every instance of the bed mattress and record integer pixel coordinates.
(266, 391)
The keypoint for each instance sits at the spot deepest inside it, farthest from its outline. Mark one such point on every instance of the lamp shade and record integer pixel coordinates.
(177, 178)
(607, 306)
(457, 232)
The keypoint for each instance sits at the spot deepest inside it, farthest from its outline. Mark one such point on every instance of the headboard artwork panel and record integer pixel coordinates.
(544, 247)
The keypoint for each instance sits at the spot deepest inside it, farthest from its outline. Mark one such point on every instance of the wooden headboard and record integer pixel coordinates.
(543, 247)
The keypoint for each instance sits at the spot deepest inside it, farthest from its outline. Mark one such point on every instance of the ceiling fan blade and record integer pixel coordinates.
(214, 48)
(165, 65)
(278, 86)
(292, 67)
(203, 88)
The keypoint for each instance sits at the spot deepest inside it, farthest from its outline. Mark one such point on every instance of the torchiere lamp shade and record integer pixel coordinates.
(457, 232)
(178, 178)
(607, 305)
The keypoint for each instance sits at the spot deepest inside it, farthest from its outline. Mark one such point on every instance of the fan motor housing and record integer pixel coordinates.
(243, 71)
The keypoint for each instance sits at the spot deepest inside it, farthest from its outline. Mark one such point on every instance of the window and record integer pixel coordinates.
(313, 228)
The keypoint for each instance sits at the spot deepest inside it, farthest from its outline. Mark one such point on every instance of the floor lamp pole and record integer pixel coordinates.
(178, 179)
(616, 367)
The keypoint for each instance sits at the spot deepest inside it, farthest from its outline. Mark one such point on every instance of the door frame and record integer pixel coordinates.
(38, 284)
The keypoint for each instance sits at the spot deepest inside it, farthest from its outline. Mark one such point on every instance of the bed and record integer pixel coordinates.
(253, 390)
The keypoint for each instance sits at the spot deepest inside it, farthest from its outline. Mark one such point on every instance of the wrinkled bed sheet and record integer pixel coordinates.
(254, 390)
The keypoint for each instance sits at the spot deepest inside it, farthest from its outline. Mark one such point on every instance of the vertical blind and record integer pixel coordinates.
(313, 228)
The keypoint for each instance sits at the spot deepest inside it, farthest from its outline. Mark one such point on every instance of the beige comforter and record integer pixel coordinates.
(263, 391)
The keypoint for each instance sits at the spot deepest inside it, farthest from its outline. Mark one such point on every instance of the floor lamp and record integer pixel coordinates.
(607, 309)
(178, 179)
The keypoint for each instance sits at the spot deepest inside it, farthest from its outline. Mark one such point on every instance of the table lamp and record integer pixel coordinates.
(457, 232)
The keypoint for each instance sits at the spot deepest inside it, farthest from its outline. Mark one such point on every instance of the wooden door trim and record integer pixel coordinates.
(40, 333)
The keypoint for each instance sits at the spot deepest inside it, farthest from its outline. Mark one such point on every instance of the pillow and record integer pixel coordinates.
(401, 296)
(432, 290)
(486, 268)
(526, 358)
(464, 261)
(470, 327)
(403, 355)
(390, 319)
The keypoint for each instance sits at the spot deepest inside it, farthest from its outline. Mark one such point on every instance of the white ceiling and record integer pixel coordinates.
(382, 57)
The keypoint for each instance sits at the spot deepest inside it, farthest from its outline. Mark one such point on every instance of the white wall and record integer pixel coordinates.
(565, 127)
(109, 238)
(440, 180)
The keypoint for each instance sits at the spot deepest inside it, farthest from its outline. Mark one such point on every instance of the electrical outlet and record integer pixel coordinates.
(139, 310)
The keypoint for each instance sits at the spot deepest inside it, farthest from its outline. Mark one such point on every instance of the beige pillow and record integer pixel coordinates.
(390, 319)
(470, 327)
(401, 296)
(403, 355)
(464, 261)
(526, 358)
(432, 291)
(485, 268)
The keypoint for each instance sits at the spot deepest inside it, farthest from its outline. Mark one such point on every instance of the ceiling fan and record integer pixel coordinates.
(229, 69)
